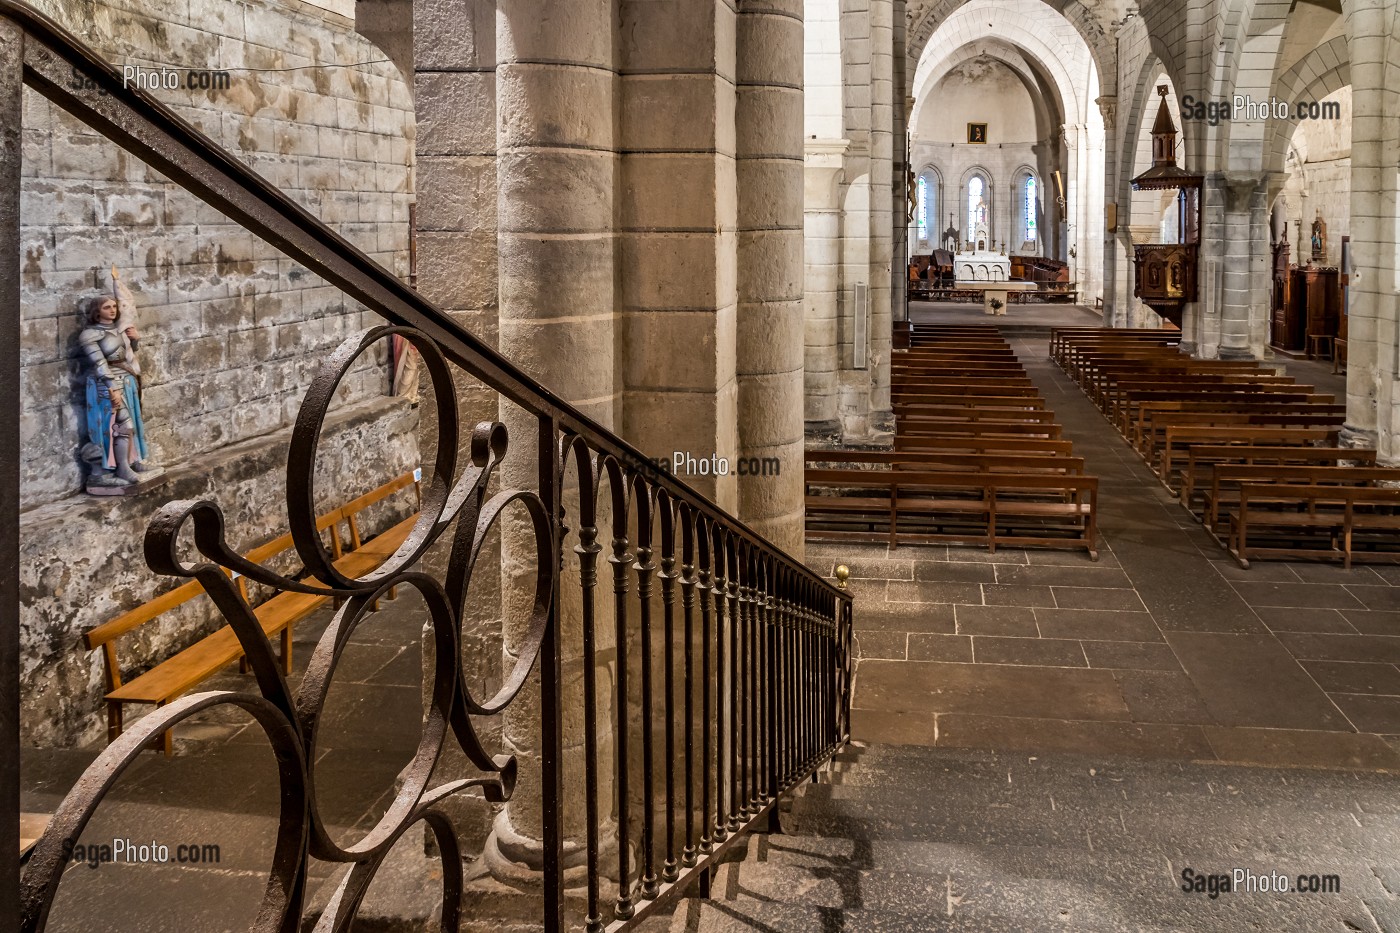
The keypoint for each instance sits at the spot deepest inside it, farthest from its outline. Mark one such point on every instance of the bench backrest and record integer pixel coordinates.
(1309, 475)
(104, 636)
(945, 460)
(911, 481)
(1335, 495)
(1258, 453)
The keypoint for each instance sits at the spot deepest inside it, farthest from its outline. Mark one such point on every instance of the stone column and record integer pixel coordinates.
(455, 171)
(1244, 248)
(11, 158)
(902, 105)
(882, 217)
(678, 241)
(768, 126)
(1117, 253)
(1372, 315)
(822, 278)
(556, 87)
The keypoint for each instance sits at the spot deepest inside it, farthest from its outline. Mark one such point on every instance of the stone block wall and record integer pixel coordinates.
(232, 331)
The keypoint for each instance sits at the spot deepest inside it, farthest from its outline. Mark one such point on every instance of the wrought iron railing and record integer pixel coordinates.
(754, 655)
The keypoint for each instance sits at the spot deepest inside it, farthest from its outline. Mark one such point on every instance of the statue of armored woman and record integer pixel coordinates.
(116, 433)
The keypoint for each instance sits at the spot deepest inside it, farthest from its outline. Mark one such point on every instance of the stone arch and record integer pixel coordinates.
(925, 17)
(1322, 71)
(1251, 39)
(1036, 46)
(1142, 111)
(1007, 52)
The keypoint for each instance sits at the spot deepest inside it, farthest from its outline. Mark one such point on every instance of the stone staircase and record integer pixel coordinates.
(898, 839)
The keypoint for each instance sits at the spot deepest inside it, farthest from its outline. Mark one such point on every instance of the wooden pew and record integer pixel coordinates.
(995, 509)
(1226, 480)
(195, 663)
(1298, 519)
(1201, 459)
(1178, 438)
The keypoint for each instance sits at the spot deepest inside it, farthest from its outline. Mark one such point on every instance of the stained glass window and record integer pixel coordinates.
(921, 209)
(976, 205)
(1030, 209)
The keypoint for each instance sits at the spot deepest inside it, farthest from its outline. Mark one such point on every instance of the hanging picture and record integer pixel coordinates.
(977, 134)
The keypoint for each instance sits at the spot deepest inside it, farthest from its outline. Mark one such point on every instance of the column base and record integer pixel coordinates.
(828, 429)
(517, 860)
(1235, 354)
(1357, 437)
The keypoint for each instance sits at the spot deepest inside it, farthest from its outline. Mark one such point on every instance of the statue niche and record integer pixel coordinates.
(1319, 238)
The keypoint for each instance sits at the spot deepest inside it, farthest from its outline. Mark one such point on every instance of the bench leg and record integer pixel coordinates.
(167, 739)
(287, 650)
(114, 721)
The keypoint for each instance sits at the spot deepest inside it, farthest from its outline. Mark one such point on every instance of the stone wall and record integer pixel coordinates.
(81, 562)
(232, 331)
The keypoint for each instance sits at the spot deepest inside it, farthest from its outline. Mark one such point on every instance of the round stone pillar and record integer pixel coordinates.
(822, 277)
(555, 81)
(1373, 195)
(769, 342)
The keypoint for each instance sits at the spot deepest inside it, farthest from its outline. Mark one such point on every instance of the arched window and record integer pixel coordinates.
(1031, 203)
(921, 209)
(976, 205)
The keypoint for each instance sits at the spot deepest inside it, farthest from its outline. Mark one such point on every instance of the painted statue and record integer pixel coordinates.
(116, 433)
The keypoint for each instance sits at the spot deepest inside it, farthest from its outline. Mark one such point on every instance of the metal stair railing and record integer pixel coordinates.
(760, 646)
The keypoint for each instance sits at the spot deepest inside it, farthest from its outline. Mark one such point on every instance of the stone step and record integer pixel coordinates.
(992, 906)
(955, 793)
(1213, 826)
(784, 882)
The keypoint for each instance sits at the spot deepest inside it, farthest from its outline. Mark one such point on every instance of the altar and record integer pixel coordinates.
(980, 263)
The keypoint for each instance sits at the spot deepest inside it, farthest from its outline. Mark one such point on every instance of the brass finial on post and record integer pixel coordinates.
(842, 574)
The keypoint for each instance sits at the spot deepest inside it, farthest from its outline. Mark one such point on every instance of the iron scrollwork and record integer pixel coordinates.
(290, 720)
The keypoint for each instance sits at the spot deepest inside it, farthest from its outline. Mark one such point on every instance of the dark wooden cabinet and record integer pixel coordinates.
(1313, 308)
(1278, 307)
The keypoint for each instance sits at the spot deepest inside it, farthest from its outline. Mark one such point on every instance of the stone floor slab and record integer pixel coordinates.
(997, 620)
(1044, 652)
(1130, 655)
(972, 730)
(1251, 680)
(1302, 749)
(1097, 624)
(928, 686)
(926, 647)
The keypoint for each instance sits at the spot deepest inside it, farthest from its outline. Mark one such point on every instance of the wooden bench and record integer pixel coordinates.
(991, 508)
(967, 443)
(1179, 438)
(964, 462)
(919, 412)
(1133, 411)
(1201, 459)
(914, 427)
(1226, 480)
(1161, 422)
(1298, 519)
(194, 664)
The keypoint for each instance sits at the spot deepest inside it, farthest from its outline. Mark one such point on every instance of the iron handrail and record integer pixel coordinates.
(769, 638)
(140, 123)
